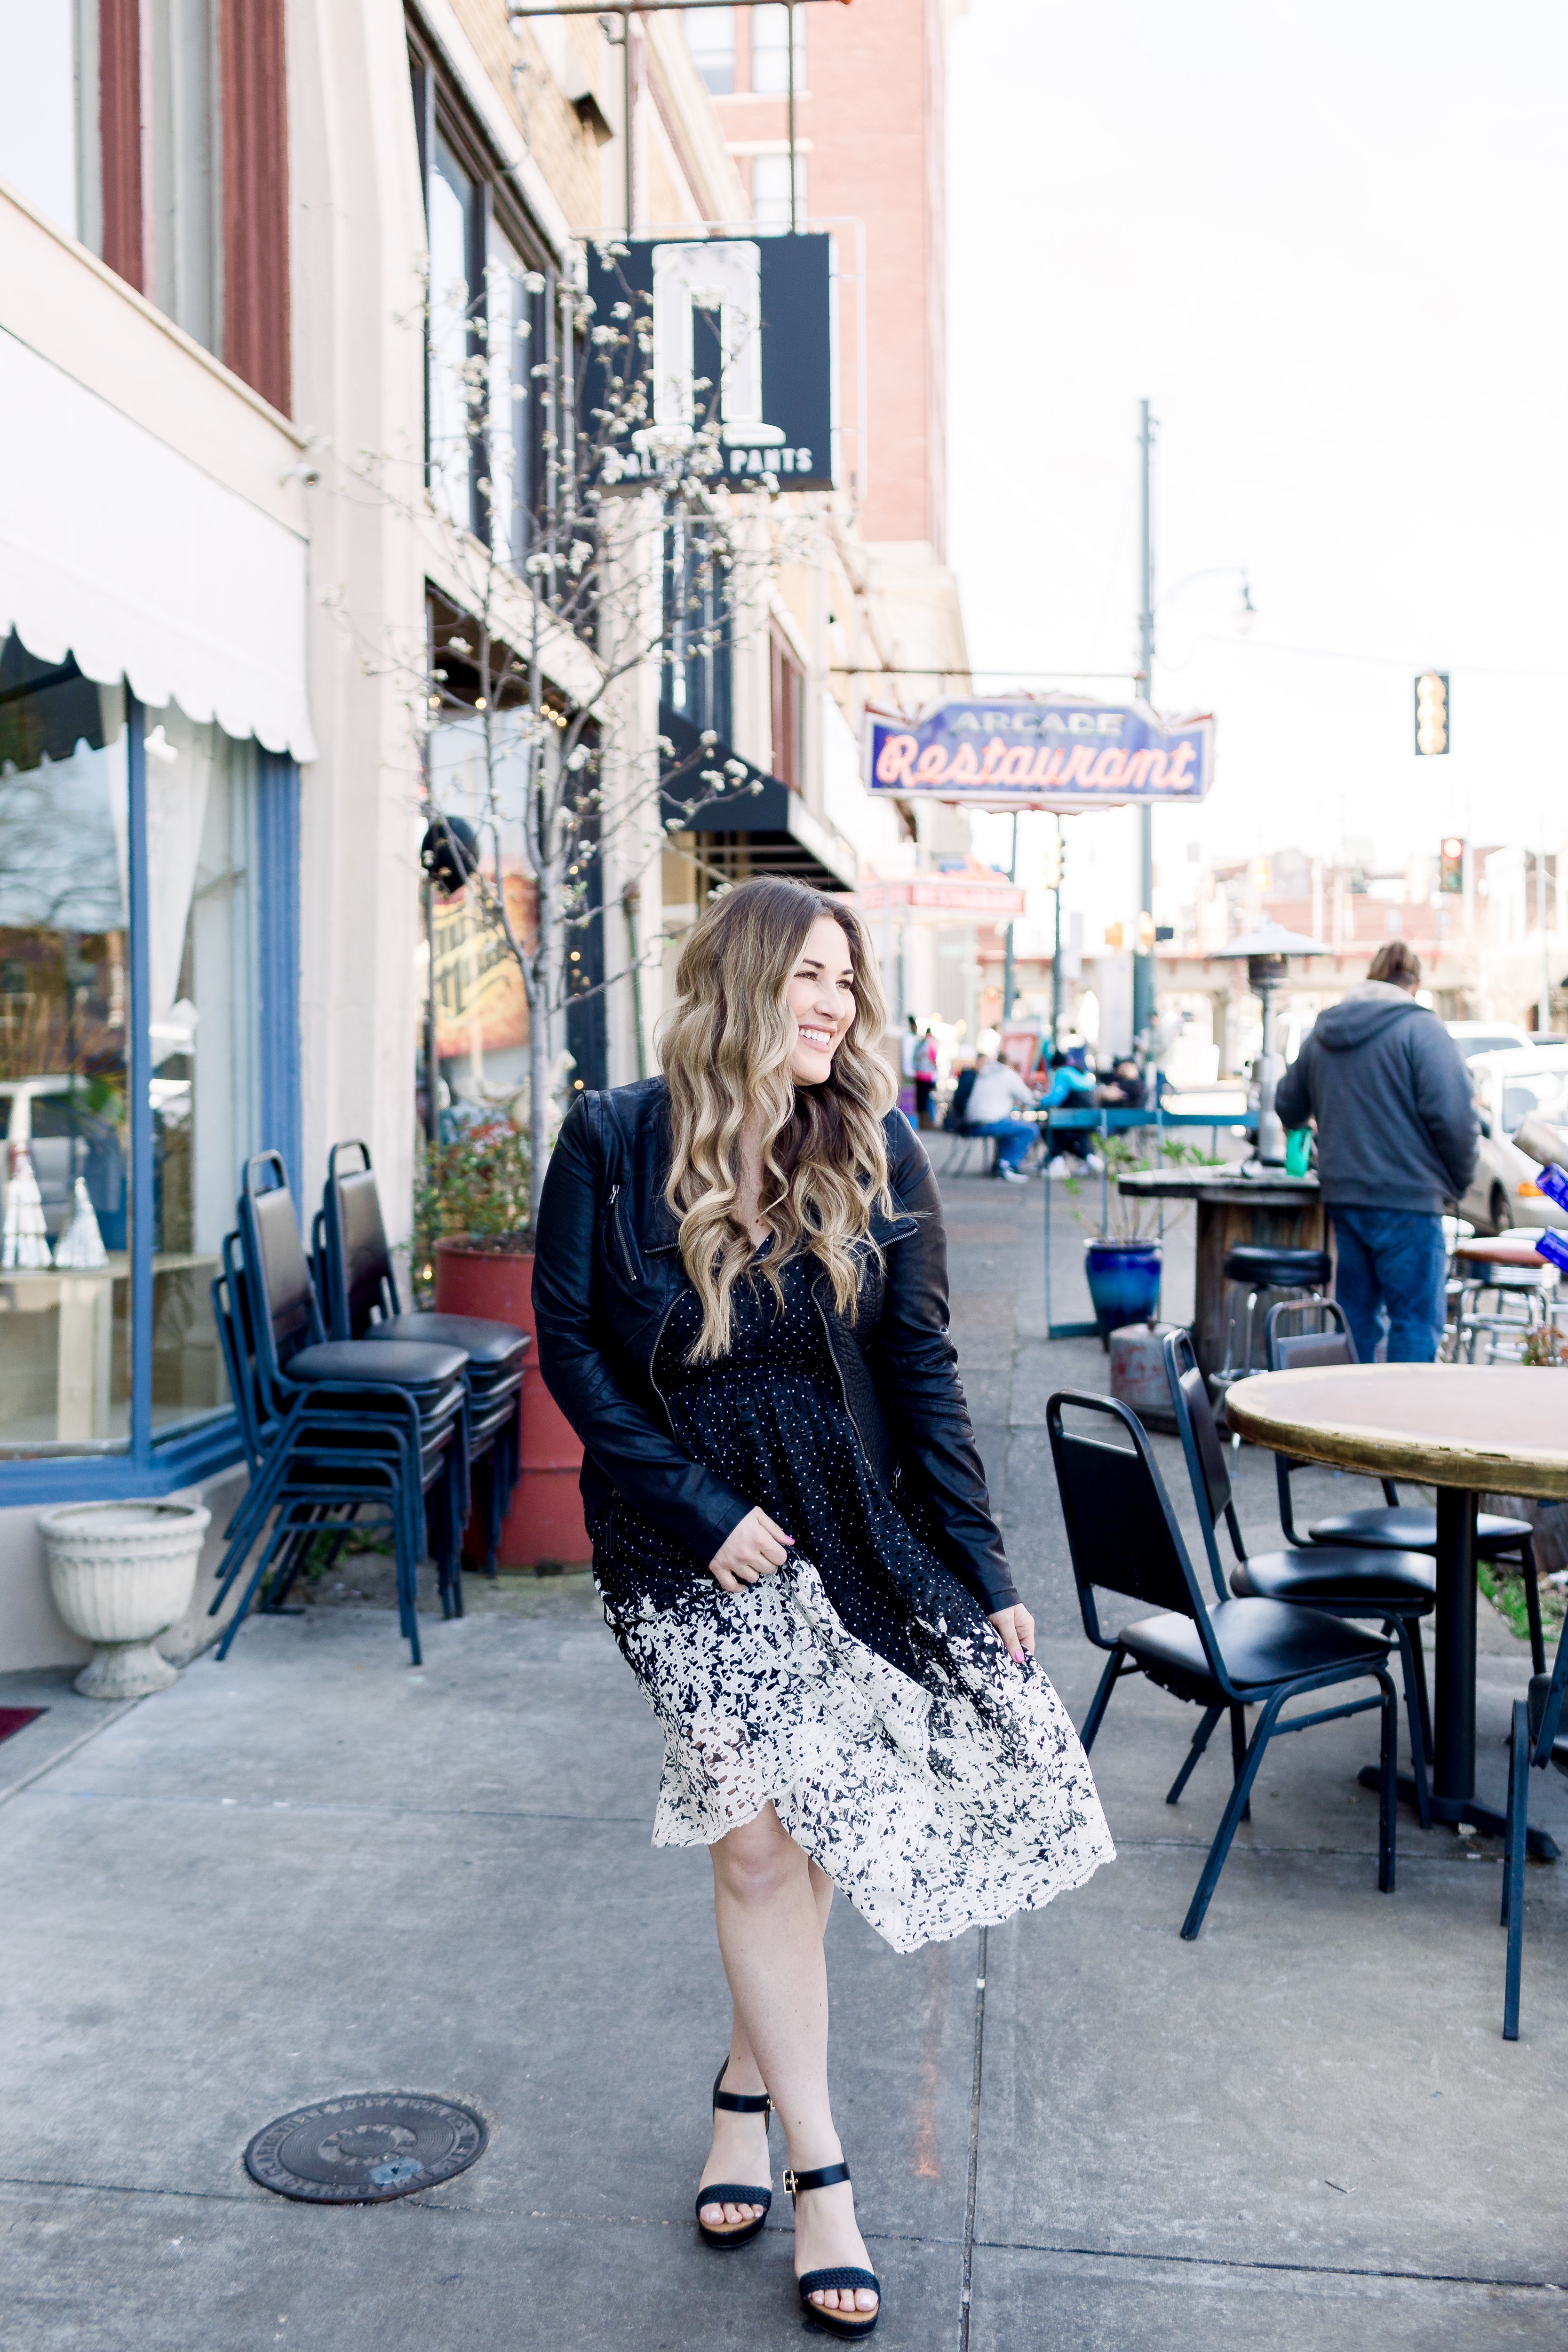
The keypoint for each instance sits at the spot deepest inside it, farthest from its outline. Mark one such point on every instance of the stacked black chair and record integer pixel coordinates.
(1391, 1525)
(359, 1299)
(1397, 1589)
(333, 1428)
(1537, 1739)
(1123, 1538)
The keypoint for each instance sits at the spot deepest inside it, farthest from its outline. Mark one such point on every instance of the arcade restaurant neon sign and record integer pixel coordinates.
(1045, 753)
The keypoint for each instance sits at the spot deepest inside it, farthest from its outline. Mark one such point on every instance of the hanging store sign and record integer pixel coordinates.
(1049, 753)
(741, 334)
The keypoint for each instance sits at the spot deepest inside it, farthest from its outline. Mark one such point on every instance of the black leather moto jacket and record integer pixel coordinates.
(608, 1271)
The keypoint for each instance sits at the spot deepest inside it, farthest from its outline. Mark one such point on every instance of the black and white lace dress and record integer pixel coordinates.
(939, 1785)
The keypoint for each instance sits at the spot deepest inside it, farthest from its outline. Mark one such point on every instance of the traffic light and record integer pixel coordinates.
(1431, 714)
(1145, 934)
(1113, 935)
(1451, 866)
(1051, 878)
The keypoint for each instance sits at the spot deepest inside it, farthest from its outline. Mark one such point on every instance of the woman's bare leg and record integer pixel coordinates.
(770, 1904)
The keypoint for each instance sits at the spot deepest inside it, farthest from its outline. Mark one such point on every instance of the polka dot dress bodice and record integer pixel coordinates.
(861, 1689)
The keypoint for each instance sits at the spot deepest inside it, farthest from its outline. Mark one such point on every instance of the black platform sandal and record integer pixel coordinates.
(837, 2323)
(727, 2192)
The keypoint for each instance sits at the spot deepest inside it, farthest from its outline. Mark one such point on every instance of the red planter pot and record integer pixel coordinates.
(545, 1526)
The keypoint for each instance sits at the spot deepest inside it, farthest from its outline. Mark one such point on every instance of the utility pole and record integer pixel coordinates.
(1007, 957)
(1143, 960)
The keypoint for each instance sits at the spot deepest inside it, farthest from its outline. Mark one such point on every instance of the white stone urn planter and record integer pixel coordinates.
(122, 1573)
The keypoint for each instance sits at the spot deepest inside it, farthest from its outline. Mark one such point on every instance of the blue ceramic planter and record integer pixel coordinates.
(1123, 1283)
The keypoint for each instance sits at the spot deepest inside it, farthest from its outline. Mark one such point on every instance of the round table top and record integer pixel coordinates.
(1271, 1192)
(1494, 1428)
(1513, 1249)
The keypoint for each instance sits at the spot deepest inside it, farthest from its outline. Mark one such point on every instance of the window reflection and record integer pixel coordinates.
(67, 1194)
(64, 1008)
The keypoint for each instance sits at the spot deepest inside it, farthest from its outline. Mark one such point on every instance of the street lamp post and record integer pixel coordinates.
(1144, 961)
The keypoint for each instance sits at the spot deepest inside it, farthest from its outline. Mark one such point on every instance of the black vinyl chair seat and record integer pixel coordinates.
(1337, 1574)
(1407, 1528)
(403, 1364)
(1264, 1267)
(489, 1346)
(1262, 1643)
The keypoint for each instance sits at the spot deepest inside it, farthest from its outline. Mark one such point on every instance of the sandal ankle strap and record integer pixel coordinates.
(739, 2103)
(826, 2176)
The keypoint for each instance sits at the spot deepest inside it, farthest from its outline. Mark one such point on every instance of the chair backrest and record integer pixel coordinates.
(357, 1263)
(1123, 1535)
(237, 1331)
(285, 1312)
(240, 1381)
(1203, 1449)
(1294, 1351)
(1299, 1351)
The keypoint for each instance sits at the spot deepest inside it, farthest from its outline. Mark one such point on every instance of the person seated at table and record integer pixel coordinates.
(1070, 1088)
(1397, 1139)
(1123, 1090)
(991, 1108)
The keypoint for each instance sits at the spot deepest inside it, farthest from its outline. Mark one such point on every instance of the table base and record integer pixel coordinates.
(1539, 1842)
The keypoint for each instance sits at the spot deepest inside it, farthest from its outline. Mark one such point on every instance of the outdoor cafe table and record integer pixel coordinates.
(1466, 1428)
(1285, 1210)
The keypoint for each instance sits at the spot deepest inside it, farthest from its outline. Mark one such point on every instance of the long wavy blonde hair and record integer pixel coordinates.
(726, 1055)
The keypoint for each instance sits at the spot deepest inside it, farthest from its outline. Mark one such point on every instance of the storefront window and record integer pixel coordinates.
(64, 1035)
(72, 1186)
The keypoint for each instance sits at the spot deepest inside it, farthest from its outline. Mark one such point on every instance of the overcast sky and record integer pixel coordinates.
(1328, 243)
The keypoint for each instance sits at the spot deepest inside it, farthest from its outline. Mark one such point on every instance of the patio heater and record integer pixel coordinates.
(1269, 953)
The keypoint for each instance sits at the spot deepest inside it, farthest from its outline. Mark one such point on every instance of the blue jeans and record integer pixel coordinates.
(1392, 1263)
(1014, 1136)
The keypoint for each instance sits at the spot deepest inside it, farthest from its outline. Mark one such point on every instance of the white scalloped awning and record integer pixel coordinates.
(117, 550)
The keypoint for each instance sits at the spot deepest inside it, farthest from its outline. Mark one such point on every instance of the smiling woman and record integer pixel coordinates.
(741, 1300)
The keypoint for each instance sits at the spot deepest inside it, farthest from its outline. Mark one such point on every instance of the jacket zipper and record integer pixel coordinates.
(632, 1274)
(843, 1391)
(652, 1380)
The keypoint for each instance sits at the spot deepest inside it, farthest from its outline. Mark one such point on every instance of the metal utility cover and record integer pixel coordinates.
(366, 2148)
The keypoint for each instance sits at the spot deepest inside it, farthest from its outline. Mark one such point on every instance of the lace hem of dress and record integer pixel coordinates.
(934, 1809)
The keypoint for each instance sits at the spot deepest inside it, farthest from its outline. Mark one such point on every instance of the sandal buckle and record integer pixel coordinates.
(789, 2182)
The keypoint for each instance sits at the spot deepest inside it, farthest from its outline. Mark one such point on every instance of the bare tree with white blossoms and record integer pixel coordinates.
(598, 540)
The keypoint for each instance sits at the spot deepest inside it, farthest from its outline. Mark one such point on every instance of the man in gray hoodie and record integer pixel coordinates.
(1396, 1143)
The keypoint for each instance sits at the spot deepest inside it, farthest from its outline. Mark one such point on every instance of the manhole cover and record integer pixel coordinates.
(363, 2149)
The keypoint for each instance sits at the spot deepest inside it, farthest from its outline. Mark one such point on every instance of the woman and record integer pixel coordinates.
(741, 1305)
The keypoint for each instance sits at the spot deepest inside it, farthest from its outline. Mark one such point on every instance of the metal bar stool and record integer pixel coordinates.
(1264, 1266)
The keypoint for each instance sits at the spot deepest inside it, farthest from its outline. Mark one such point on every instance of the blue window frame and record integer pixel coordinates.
(264, 986)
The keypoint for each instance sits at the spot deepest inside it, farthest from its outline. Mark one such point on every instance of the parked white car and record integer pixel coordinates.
(1511, 1086)
(1473, 1038)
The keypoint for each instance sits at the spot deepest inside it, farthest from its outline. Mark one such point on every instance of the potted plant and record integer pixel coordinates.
(1123, 1259)
(473, 1255)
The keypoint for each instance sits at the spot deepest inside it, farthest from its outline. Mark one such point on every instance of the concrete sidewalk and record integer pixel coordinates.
(312, 1871)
